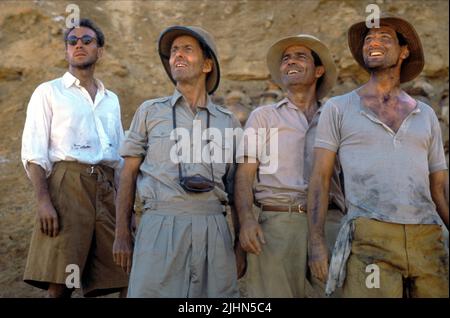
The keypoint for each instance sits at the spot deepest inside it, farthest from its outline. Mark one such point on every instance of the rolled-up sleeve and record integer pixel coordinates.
(135, 141)
(328, 132)
(36, 133)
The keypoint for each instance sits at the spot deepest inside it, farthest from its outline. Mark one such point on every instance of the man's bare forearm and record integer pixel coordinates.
(243, 194)
(235, 220)
(318, 192)
(437, 189)
(243, 198)
(125, 200)
(442, 208)
(317, 206)
(39, 182)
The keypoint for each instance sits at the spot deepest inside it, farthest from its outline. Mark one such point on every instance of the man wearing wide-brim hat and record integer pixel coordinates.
(390, 148)
(183, 245)
(277, 182)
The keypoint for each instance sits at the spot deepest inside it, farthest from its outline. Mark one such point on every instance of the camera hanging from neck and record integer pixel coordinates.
(196, 183)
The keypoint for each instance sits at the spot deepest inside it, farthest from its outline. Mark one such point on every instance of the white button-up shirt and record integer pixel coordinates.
(63, 123)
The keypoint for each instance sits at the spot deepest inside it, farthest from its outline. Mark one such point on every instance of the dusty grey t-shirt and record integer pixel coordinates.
(386, 174)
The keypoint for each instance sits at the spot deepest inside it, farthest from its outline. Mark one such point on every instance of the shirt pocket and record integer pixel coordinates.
(160, 146)
(221, 155)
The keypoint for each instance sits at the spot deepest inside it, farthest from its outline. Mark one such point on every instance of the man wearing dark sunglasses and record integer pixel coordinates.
(70, 153)
(183, 246)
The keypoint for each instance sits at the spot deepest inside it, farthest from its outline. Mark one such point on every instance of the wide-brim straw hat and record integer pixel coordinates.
(412, 66)
(277, 49)
(205, 38)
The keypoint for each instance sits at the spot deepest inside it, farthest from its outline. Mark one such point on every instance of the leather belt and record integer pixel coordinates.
(86, 167)
(299, 208)
(284, 208)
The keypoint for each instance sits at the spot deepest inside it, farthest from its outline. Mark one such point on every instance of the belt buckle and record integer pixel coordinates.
(301, 209)
(91, 170)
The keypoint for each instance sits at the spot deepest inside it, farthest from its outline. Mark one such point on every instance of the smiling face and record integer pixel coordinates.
(381, 49)
(297, 67)
(187, 61)
(83, 55)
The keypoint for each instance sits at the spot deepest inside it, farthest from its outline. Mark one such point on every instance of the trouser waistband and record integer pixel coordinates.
(85, 168)
(184, 207)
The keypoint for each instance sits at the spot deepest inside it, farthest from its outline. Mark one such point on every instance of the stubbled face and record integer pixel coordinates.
(381, 49)
(297, 67)
(83, 55)
(186, 61)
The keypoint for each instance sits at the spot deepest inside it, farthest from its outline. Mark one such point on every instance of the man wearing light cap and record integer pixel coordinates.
(391, 151)
(183, 245)
(277, 242)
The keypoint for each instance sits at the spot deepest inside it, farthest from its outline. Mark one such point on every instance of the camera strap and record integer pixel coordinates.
(174, 123)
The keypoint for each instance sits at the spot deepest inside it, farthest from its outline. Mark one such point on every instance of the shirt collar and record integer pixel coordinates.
(209, 104)
(288, 103)
(69, 80)
(282, 102)
(364, 110)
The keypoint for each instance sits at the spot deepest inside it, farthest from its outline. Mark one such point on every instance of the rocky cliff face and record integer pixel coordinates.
(32, 51)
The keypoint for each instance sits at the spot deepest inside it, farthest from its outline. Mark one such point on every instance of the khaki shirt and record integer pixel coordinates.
(149, 137)
(289, 183)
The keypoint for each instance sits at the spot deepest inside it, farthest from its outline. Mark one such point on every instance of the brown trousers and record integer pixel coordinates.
(84, 200)
(411, 259)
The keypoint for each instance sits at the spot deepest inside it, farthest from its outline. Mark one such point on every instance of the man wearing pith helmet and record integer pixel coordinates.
(183, 246)
(391, 151)
(276, 243)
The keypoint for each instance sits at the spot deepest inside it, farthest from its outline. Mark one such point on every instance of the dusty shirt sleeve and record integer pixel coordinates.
(436, 156)
(135, 141)
(36, 133)
(328, 132)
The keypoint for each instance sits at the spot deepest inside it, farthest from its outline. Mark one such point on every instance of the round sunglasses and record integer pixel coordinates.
(85, 39)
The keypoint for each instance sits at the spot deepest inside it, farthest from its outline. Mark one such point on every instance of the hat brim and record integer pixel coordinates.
(164, 45)
(412, 66)
(276, 51)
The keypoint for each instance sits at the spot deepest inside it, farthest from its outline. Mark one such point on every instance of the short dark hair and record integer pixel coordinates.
(206, 55)
(401, 39)
(87, 23)
(317, 62)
